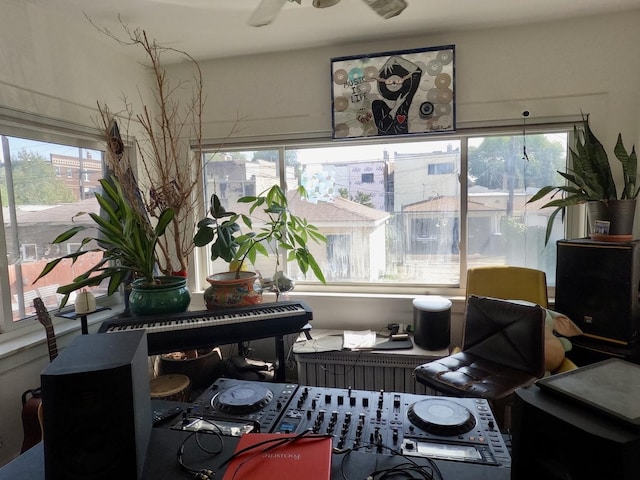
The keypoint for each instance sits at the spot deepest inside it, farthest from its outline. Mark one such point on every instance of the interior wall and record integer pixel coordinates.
(59, 68)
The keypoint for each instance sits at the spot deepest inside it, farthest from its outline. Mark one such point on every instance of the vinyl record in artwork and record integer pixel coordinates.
(394, 93)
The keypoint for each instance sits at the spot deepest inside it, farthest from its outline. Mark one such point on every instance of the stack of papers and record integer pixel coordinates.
(359, 340)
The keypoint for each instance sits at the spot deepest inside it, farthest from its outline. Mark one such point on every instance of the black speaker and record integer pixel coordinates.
(554, 439)
(597, 286)
(97, 408)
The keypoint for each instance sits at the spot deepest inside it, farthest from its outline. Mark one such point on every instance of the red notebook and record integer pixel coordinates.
(307, 457)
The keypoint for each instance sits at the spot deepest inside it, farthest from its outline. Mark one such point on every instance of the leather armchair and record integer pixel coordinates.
(503, 350)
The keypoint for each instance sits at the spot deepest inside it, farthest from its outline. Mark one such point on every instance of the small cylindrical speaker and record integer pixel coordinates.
(432, 322)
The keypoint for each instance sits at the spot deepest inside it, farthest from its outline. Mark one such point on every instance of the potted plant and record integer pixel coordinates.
(280, 231)
(128, 244)
(590, 180)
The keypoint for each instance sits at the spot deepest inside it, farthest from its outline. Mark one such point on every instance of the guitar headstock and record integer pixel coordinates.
(41, 312)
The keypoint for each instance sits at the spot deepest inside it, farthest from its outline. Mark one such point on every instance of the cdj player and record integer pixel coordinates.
(453, 429)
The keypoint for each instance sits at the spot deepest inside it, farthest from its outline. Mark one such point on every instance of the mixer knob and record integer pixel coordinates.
(309, 413)
(361, 418)
(352, 401)
(349, 391)
(347, 418)
(365, 402)
(279, 405)
(491, 425)
(395, 435)
(321, 415)
(396, 401)
(340, 399)
(378, 414)
(314, 404)
(327, 398)
(334, 415)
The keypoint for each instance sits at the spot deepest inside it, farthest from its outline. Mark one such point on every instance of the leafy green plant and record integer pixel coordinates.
(590, 177)
(125, 238)
(281, 232)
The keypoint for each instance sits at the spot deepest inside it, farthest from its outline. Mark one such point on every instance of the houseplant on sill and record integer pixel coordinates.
(590, 181)
(280, 230)
(128, 244)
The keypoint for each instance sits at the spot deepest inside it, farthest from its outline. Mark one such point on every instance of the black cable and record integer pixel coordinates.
(204, 473)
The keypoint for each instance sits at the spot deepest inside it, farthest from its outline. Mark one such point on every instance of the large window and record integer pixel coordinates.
(38, 203)
(409, 211)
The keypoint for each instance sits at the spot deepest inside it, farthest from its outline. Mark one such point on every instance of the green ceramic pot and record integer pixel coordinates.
(169, 295)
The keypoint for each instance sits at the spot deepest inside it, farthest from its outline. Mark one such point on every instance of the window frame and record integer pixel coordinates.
(574, 224)
(16, 123)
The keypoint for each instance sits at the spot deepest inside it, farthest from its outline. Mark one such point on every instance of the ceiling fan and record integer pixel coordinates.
(268, 10)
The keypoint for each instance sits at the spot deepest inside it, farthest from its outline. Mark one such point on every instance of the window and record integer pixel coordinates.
(410, 211)
(37, 205)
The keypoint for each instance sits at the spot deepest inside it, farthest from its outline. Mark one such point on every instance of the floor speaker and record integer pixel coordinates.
(597, 286)
(97, 408)
(554, 439)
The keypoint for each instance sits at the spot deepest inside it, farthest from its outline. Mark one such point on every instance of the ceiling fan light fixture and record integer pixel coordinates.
(387, 8)
(324, 3)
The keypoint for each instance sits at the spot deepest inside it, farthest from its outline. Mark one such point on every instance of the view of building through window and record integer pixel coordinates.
(42, 186)
(393, 212)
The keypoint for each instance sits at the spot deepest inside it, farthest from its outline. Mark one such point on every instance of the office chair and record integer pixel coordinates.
(503, 349)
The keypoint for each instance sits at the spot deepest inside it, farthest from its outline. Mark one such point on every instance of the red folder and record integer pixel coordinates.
(279, 456)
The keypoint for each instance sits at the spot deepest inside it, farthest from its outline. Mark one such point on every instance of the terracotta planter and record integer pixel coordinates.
(228, 291)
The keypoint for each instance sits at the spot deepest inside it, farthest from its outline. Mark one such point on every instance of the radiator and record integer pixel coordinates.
(362, 371)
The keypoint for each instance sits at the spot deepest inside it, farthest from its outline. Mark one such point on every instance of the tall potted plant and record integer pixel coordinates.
(280, 231)
(590, 180)
(128, 244)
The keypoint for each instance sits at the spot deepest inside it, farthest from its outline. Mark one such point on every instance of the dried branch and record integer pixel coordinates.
(165, 151)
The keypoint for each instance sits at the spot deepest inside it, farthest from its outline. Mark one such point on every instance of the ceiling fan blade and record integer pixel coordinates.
(387, 8)
(324, 3)
(266, 12)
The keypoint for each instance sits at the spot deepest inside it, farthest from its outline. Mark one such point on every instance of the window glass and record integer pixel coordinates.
(504, 172)
(393, 212)
(38, 203)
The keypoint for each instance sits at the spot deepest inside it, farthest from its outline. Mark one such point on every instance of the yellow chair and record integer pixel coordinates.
(508, 283)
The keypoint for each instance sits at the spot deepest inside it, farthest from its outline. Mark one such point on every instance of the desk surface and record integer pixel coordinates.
(161, 464)
(331, 341)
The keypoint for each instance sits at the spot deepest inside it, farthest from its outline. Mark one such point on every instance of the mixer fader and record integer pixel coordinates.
(356, 418)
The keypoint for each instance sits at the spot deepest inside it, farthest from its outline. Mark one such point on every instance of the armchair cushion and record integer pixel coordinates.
(467, 375)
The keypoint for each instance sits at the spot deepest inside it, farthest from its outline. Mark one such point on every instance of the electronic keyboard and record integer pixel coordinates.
(207, 328)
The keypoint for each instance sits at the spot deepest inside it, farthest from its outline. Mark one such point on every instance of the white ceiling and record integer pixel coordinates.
(218, 28)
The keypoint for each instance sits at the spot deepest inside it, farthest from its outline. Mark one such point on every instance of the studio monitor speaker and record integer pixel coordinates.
(97, 408)
(597, 286)
(556, 440)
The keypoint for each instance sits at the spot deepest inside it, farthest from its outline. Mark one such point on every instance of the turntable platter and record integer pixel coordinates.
(441, 416)
(243, 398)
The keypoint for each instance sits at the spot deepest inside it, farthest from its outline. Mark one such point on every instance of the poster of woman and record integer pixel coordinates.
(394, 93)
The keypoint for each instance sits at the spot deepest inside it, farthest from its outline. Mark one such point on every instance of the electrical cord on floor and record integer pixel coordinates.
(202, 473)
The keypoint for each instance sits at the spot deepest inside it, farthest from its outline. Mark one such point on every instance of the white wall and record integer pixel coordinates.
(59, 68)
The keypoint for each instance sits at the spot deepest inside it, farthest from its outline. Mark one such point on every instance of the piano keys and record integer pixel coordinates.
(207, 328)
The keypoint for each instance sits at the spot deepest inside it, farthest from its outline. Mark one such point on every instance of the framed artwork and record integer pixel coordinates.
(394, 93)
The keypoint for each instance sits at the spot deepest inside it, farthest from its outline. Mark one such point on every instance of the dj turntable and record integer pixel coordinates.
(454, 429)
(244, 401)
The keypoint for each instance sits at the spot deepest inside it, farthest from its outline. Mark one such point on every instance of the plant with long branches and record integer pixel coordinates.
(172, 137)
